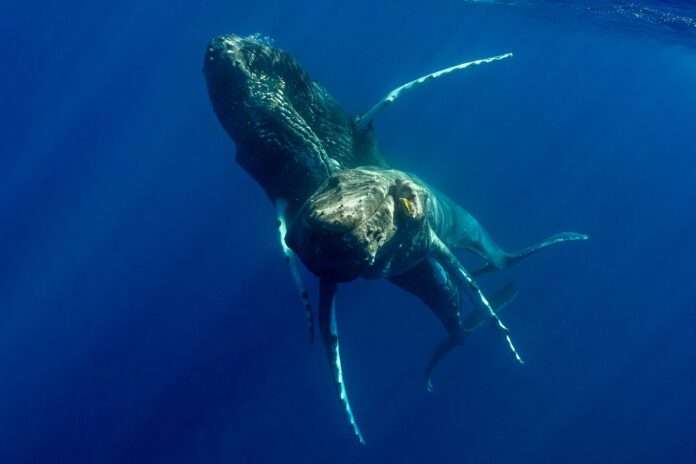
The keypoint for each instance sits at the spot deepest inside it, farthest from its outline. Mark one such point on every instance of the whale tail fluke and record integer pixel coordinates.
(329, 333)
(512, 258)
(499, 300)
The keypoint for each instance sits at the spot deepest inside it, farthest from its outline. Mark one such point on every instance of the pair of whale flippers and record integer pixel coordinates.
(341, 208)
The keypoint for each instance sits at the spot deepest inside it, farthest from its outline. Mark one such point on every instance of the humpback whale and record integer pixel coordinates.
(340, 206)
(373, 222)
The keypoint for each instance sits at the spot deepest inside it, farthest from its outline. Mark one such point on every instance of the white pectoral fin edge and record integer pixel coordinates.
(281, 206)
(451, 261)
(363, 121)
(329, 332)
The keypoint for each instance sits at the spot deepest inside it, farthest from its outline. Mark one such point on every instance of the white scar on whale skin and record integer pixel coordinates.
(281, 206)
(364, 120)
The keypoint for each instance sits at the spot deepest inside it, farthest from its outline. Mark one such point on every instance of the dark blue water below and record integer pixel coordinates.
(146, 314)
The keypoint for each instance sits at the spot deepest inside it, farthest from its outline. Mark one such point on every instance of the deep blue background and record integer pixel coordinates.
(146, 314)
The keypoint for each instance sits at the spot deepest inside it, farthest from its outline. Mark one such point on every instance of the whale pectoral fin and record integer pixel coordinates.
(485, 269)
(435, 287)
(438, 355)
(512, 258)
(547, 242)
(452, 264)
(329, 333)
(363, 122)
(290, 258)
(500, 299)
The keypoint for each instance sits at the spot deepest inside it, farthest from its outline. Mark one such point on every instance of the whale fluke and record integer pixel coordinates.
(329, 333)
(281, 207)
(512, 258)
(500, 300)
(362, 122)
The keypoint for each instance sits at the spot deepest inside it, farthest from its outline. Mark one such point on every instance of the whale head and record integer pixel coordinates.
(289, 132)
(247, 78)
(364, 222)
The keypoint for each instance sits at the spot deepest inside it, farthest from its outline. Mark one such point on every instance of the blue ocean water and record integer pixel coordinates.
(146, 314)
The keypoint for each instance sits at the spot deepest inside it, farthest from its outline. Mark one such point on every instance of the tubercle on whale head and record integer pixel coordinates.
(327, 233)
(235, 67)
(264, 100)
(227, 73)
(290, 133)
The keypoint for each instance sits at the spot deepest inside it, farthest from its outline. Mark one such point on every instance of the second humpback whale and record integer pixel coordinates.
(349, 215)
(382, 223)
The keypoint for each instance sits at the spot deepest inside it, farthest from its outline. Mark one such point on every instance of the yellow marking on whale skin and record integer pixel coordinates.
(409, 206)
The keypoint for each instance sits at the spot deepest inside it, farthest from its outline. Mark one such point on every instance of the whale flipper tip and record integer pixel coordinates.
(329, 331)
